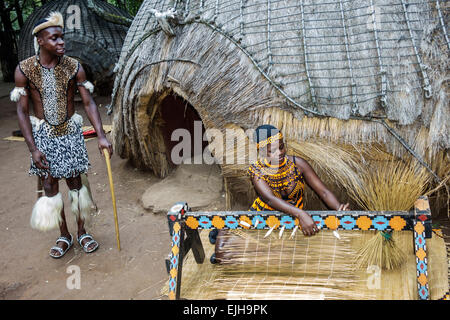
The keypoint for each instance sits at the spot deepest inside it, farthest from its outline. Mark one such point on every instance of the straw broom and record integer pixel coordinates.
(381, 251)
(388, 185)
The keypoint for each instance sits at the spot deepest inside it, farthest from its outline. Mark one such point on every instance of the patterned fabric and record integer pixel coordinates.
(52, 85)
(66, 154)
(284, 179)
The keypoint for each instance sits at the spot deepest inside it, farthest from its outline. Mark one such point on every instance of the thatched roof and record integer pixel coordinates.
(95, 40)
(378, 64)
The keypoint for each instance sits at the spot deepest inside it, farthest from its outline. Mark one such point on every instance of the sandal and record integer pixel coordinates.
(88, 243)
(61, 251)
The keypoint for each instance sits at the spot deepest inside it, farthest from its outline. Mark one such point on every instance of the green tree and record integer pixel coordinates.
(13, 13)
(131, 6)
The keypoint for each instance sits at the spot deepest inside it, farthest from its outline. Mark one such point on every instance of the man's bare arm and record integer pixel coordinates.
(92, 113)
(24, 120)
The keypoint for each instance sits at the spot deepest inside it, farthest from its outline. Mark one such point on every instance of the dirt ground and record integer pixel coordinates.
(28, 272)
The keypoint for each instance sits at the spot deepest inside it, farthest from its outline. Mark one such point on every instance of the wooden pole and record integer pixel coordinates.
(111, 185)
(40, 191)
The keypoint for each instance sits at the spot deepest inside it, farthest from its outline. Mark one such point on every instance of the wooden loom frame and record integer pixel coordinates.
(184, 225)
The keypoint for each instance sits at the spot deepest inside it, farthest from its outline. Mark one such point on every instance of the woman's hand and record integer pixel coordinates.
(343, 207)
(309, 227)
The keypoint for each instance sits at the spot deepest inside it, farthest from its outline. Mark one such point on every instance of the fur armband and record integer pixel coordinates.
(87, 84)
(16, 93)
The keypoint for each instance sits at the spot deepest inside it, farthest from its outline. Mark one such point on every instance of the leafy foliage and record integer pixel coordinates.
(131, 6)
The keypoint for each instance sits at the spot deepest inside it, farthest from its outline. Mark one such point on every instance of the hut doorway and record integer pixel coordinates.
(182, 126)
(192, 180)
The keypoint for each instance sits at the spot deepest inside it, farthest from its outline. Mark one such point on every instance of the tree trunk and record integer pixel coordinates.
(8, 47)
(18, 9)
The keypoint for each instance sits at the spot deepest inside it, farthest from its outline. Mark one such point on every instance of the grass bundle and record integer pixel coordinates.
(380, 251)
(390, 184)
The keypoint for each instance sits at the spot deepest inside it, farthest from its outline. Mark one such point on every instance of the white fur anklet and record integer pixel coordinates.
(81, 203)
(46, 213)
(85, 182)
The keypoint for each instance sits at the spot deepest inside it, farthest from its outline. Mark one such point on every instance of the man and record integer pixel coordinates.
(54, 135)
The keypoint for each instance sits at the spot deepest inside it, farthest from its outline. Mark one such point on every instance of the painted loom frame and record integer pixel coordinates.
(184, 225)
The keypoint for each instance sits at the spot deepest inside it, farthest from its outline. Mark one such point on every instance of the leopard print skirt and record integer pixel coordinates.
(62, 145)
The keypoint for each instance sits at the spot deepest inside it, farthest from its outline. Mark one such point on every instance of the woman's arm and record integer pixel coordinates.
(309, 228)
(318, 186)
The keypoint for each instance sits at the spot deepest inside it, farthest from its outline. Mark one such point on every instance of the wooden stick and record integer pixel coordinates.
(40, 191)
(108, 165)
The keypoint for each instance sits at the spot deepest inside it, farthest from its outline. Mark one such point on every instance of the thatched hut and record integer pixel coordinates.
(94, 34)
(350, 73)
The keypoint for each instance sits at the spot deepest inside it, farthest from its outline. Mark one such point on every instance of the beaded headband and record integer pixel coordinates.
(271, 139)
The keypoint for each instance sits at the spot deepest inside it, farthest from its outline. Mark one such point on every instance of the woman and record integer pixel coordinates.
(279, 181)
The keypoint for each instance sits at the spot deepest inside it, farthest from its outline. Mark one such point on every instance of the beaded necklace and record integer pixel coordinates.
(285, 180)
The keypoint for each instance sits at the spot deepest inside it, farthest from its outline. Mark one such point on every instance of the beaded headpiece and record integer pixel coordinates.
(55, 19)
(269, 140)
(266, 134)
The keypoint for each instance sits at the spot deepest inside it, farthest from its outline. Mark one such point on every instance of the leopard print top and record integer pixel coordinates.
(52, 85)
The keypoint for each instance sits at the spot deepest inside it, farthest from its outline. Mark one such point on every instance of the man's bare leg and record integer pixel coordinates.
(51, 188)
(76, 184)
